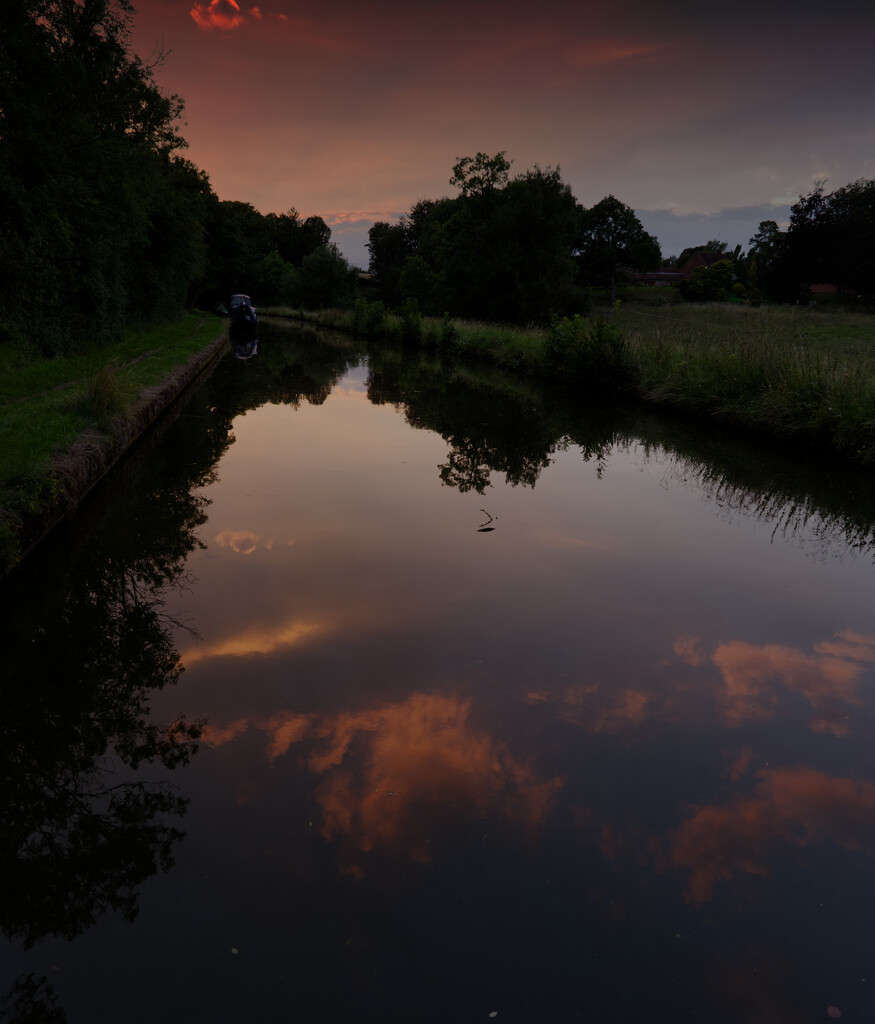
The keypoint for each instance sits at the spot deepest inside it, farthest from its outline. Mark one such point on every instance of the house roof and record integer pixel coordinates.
(700, 259)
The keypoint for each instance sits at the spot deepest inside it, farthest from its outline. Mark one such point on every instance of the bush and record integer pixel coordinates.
(449, 332)
(709, 284)
(411, 321)
(584, 349)
(368, 317)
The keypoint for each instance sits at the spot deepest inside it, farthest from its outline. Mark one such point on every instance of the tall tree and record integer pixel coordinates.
(86, 173)
(389, 245)
(475, 175)
(501, 250)
(612, 237)
(764, 255)
(830, 240)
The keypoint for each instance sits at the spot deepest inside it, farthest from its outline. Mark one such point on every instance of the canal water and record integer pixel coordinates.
(379, 689)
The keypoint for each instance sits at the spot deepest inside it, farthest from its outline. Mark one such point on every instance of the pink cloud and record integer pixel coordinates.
(795, 806)
(223, 15)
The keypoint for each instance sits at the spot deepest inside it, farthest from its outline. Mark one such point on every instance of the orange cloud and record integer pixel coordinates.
(362, 217)
(851, 645)
(419, 760)
(221, 14)
(241, 541)
(255, 641)
(284, 730)
(754, 677)
(390, 774)
(794, 806)
(607, 51)
(753, 681)
(688, 650)
(216, 736)
(752, 674)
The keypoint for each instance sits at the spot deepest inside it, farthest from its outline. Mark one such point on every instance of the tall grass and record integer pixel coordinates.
(794, 373)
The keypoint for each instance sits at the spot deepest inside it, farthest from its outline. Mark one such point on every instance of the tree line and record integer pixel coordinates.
(830, 240)
(104, 222)
(524, 249)
(514, 250)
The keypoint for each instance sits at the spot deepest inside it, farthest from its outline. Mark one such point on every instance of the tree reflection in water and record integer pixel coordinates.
(78, 836)
(89, 642)
(82, 833)
(498, 423)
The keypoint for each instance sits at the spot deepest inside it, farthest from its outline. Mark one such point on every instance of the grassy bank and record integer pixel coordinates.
(64, 421)
(791, 372)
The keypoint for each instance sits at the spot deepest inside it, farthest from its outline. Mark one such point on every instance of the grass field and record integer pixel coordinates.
(47, 406)
(789, 371)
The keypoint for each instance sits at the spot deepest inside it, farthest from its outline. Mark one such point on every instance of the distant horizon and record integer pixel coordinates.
(735, 227)
(704, 121)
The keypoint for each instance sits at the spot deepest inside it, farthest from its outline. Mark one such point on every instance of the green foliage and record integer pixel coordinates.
(369, 318)
(761, 266)
(389, 246)
(611, 237)
(47, 404)
(585, 350)
(420, 284)
(831, 240)
(449, 332)
(105, 225)
(326, 279)
(474, 176)
(411, 321)
(713, 245)
(257, 254)
(107, 394)
(276, 281)
(500, 251)
(784, 371)
(710, 284)
(102, 223)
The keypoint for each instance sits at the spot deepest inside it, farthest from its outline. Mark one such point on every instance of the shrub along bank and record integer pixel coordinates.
(65, 421)
(787, 371)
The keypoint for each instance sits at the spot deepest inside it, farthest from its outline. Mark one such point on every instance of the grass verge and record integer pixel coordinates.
(790, 372)
(64, 421)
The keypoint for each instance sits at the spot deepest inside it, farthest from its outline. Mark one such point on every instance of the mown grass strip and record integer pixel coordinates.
(48, 406)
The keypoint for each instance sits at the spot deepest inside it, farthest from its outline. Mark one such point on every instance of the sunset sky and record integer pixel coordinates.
(705, 118)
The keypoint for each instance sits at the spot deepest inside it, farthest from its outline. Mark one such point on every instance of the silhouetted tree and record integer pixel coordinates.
(389, 245)
(102, 223)
(501, 250)
(612, 237)
(475, 175)
(831, 240)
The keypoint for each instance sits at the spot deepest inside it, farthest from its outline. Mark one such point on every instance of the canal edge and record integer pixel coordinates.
(81, 467)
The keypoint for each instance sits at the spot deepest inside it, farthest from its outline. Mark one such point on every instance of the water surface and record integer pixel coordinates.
(494, 704)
